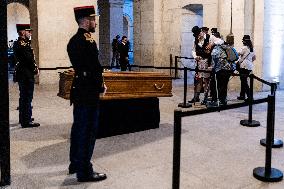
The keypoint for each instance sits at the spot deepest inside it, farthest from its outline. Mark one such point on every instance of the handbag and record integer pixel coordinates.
(238, 65)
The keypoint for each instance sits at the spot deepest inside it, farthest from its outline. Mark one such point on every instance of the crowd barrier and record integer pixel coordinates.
(266, 173)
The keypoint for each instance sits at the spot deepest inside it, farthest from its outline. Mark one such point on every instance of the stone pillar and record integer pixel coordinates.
(34, 26)
(111, 24)
(5, 170)
(273, 55)
(144, 27)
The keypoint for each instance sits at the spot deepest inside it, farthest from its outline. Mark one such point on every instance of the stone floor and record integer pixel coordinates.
(217, 152)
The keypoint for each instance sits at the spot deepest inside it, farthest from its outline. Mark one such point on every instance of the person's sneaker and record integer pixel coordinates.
(31, 124)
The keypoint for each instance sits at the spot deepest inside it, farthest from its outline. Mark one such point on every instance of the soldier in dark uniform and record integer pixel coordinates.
(86, 88)
(25, 70)
(123, 53)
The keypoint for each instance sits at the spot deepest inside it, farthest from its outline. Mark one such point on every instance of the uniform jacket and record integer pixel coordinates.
(26, 68)
(88, 82)
(123, 50)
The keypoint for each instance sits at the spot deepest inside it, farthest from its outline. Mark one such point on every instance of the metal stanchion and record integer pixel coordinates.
(277, 143)
(176, 151)
(176, 67)
(250, 122)
(171, 64)
(185, 104)
(268, 174)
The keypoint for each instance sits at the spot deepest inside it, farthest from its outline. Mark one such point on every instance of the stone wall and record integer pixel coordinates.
(56, 25)
(158, 29)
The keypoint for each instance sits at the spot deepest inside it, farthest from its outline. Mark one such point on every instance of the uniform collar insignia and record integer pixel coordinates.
(89, 37)
(23, 43)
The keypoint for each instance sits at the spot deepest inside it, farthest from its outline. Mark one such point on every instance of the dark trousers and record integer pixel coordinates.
(83, 138)
(25, 101)
(123, 63)
(222, 80)
(115, 59)
(244, 82)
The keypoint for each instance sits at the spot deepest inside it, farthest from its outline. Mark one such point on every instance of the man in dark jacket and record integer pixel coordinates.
(123, 53)
(25, 70)
(86, 88)
(115, 53)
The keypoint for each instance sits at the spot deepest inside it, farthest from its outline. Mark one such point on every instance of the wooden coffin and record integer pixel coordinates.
(125, 85)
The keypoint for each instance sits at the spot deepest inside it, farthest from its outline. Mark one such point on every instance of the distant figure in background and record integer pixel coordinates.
(123, 53)
(115, 53)
(223, 70)
(205, 30)
(217, 35)
(25, 71)
(202, 58)
(245, 64)
(214, 31)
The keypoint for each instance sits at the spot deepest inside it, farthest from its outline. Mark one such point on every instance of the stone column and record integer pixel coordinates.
(111, 24)
(144, 27)
(34, 26)
(5, 170)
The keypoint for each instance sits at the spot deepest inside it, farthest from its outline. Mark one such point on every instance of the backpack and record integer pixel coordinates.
(231, 53)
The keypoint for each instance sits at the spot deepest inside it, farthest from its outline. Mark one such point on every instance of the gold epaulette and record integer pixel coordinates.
(23, 43)
(89, 37)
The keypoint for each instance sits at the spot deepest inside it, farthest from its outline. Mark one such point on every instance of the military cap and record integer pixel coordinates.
(246, 38)
(26, 27)
(85, 11)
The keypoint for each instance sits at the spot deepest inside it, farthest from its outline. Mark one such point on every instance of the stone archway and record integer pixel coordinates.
(23, 2)
(17, 13)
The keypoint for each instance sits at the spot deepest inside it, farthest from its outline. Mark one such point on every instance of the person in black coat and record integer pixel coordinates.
(115, 53)
(123, 53)
(25, 71)
(84, 95)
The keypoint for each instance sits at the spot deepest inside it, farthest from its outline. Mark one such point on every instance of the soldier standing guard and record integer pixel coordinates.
(25, 70)
(86, 88)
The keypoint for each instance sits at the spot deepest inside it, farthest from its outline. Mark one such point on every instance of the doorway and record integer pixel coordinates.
(192, 15)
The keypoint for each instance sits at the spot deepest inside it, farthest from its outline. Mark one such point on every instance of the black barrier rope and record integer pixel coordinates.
(270, 174)
(176, 64)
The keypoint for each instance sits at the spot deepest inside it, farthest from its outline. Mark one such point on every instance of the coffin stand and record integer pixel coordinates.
(131, 102)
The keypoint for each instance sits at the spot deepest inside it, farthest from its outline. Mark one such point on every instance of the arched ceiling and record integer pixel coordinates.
(24, 2)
